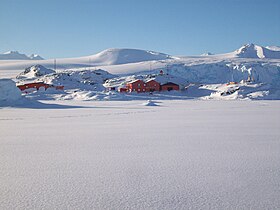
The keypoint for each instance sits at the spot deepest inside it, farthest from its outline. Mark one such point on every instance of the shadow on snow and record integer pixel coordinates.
(32, 104)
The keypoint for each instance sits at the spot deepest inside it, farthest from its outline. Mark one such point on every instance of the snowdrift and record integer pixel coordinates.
(9, 92)
(150, 103)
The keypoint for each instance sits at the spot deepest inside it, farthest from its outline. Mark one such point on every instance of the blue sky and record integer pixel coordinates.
(70, 28)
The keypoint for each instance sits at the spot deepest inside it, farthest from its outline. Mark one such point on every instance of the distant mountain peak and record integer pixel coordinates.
(255, 51)
(207, 54)
(15, 55)
(248, 45)
(35, 57)
(11, 52)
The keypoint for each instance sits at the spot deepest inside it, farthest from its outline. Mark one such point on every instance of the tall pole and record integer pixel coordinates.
(54, 64)
(89, 64)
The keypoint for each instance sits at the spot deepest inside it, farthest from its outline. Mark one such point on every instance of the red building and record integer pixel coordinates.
(136, 86)
(59, 87)
(38, 85)
(152, 85)
(169, 86)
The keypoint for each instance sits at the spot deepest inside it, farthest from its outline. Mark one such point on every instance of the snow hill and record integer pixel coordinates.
(82, 80)
(255, 51)
(123, 56)
(107, 57)
(70, 79)
(34, 71)
(15, 55)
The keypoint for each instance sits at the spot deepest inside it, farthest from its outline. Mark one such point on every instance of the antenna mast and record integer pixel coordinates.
(54, 65)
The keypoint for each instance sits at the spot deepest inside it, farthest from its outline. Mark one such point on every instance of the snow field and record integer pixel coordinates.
(124, 155)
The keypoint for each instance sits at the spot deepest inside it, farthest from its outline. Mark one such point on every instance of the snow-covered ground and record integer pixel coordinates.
(213, 145)
(186, 154)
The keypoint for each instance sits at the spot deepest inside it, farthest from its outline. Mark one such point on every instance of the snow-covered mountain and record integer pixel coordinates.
(274, 48)
(123, 56)
(15, 55)
(255, 51)
(126, 61)
(35, 57)
(107, 57)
